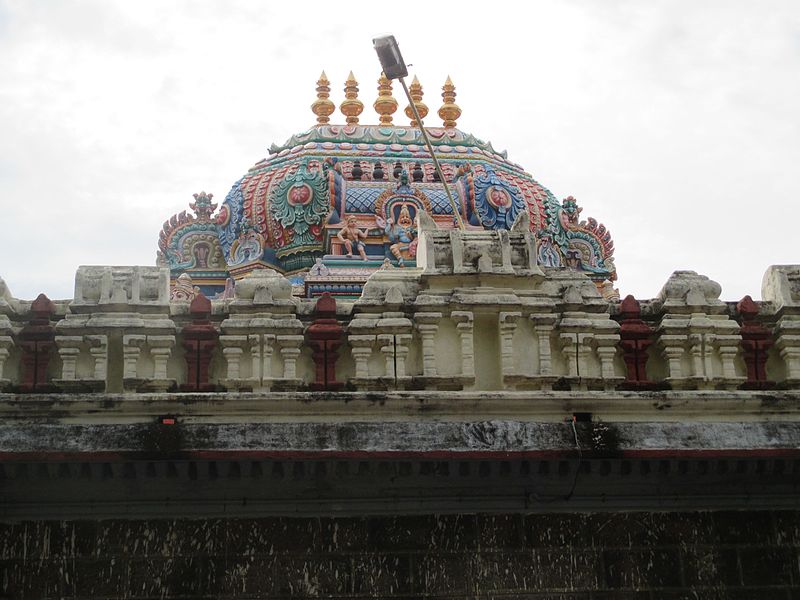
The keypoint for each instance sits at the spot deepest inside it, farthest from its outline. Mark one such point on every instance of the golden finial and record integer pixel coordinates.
(323, 107)
(415, 90)
(351, 107)
(449, 111)
(385, 105)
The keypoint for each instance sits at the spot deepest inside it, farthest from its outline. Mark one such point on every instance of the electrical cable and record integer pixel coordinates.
(568, 495)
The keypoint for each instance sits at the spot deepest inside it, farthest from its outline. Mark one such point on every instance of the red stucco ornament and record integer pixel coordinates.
(37, 342)
(756, 342)
(199, 341)
(635, 338)
(325, 338)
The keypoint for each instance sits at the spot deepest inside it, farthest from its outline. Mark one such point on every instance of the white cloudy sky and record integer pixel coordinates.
(674, 123)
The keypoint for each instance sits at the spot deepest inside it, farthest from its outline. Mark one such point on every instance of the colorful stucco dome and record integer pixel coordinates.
(342, 200)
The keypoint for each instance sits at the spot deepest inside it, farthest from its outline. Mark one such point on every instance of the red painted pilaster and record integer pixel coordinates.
(324, 336)
(756, 342)
(37, 342)
(635, 337)
(199, 340)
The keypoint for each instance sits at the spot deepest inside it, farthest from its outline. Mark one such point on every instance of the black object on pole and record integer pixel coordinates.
(394, 68)
(390, 57)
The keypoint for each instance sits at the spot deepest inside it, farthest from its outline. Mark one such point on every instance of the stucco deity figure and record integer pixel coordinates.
(350, 235)
(402, 235)
(547, 254)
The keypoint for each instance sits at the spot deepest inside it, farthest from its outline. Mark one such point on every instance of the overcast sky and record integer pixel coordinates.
(674, 123)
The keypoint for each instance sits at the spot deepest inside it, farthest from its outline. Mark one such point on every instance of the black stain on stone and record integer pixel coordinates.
(159, 440)
(605, 440)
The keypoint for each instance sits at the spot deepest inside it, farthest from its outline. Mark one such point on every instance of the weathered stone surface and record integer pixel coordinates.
(781, 285)
(395, 437)
(587, 556)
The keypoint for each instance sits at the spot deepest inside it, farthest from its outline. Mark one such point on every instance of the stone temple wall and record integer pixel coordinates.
(567, 557)
(479, 314)
(156, 448)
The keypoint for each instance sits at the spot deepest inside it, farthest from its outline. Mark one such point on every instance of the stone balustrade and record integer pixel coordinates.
(477, 314)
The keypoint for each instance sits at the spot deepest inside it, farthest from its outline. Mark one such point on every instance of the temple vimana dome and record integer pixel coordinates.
(366, 373)
(354, 190)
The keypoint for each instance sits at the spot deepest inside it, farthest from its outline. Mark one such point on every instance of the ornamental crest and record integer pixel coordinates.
(249, 246)
(497, 202)
(300, 204)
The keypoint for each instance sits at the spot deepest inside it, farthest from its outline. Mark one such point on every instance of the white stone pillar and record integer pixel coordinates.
(585, 344)
(428, 324)
(131, 349)
(98, 348)
(570, 350)
(361, 349)
(267, 349)
(673, 353)
(232, 349)
(69, 348)
(728, 349)
(606, 348)
(6, 341)
(254, 342)
(507, 326)
(464, 325)
(394, 347)
(696, 351)
(160, 349)
(789, 348)
(543, 328)
(386, 343)
(290, 349)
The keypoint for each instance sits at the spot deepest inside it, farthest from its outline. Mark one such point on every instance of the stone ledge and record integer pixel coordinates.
(491, 438)
(539, 405)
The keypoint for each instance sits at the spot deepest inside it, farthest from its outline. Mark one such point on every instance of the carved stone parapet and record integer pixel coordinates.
(576, 348)
(394, 347)
(582, 337)
(393, 322)
(457, 252)
(781, 287)
(70, 348)
(687, 292)
(113, 289)
(708, 343)
(389, 289)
